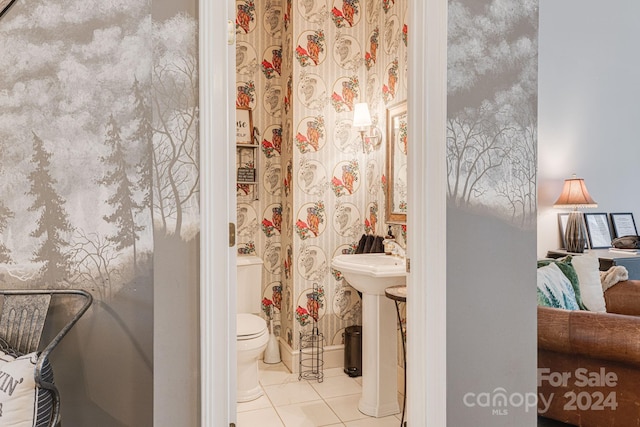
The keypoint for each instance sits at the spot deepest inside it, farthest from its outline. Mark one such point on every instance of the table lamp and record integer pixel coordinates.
(575, 195)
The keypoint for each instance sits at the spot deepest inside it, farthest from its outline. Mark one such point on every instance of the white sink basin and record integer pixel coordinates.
(371, 273)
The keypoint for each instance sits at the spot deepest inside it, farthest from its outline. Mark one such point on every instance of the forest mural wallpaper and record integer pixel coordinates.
(492, 108)
(99, 169)
(491, 154)
(301, 66)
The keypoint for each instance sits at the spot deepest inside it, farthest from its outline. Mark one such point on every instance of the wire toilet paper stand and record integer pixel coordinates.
(311, 362)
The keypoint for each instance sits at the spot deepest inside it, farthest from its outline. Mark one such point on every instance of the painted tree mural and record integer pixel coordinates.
(492, 103)
(109, 89)
(175, 127)
(122, 200)
(5, 216)
(143, 133)
(52, 225)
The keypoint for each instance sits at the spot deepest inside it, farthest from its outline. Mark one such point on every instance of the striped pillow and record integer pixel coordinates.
(22, 404)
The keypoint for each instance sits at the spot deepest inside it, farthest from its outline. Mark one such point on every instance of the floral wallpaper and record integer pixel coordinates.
(301, 66)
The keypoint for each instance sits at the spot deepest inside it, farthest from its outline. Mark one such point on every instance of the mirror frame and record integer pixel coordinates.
(393, 112)
(5, 5)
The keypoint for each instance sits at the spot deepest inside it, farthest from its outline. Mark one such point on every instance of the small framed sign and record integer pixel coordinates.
(244, 126)
(246, 175)
(623, 224)
(598, 230)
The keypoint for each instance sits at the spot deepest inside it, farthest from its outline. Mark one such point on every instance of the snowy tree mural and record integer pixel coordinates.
(52, 223)
(175, 126)
(491, 203)
(492, 102)
(99, 154)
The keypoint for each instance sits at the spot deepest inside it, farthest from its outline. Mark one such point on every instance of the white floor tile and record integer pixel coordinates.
(275, 374)
(333, 372)
(291, 392)
(336, 386)
(346, 407)
(267, 417)
(260, 403)
(307, 414)
(390, 421)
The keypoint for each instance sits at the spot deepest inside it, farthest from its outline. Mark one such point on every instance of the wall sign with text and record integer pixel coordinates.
(244, 126)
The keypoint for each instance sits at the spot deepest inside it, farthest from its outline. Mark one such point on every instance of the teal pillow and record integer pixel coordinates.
(564, 264)
(554, 288)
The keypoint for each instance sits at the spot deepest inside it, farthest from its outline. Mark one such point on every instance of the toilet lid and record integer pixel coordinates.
(250, 325)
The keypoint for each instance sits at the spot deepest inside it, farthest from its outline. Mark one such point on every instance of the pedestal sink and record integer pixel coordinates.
(371, 274)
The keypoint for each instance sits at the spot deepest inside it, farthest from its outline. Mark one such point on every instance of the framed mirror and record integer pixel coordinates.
(4, 6)
(396, 212)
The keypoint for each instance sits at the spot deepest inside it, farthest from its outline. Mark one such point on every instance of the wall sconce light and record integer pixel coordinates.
(361, 120)
(575, 195)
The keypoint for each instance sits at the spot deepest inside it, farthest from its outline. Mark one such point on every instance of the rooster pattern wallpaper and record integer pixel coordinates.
(301, 65)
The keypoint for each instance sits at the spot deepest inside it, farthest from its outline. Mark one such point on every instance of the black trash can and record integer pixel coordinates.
(353, 351)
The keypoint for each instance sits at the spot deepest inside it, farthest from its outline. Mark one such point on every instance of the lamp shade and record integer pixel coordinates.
(361, 116)
(575, 194)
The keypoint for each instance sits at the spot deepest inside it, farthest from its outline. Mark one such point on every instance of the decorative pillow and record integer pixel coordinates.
(554, 289)
(588, 270)
(567, 269)
(20, 401)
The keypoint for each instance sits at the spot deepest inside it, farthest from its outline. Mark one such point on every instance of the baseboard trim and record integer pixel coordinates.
(333, 356)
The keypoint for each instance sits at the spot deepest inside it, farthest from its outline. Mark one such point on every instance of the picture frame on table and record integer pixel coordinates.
(244, 126)
(598, 230)
(623, 224)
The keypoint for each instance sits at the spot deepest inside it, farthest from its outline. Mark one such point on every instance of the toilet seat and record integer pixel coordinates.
(250, 326)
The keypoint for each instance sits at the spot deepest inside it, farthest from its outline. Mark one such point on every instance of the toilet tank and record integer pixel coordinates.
(249, 289)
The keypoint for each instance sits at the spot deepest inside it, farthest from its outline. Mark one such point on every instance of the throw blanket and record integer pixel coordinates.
(615, 274)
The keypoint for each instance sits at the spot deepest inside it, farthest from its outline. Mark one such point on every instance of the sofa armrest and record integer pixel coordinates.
(624, 298)
(605, 336)
(553, 329)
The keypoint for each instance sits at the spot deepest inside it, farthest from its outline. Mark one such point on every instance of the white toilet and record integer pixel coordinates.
(253, 334)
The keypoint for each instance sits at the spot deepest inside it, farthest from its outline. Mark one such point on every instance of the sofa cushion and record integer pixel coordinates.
(566, 266)
(555, 289)
(588, 270)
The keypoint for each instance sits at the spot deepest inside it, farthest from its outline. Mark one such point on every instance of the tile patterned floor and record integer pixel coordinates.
(288, 402)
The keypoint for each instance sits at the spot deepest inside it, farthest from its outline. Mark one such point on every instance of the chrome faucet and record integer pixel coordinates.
(396, 248)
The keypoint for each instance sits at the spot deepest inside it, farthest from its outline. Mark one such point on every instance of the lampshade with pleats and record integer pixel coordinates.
(575, 194)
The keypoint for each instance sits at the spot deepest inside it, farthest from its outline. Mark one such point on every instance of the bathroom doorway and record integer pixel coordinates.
(217, 319)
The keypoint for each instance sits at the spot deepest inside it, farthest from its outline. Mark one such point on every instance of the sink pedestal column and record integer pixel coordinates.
(379, 357)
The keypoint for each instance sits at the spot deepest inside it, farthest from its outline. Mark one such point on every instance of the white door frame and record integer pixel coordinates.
(426, 392)
(217, 211)
(426, 219)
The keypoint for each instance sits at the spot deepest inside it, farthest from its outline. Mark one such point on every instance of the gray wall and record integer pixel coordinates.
(588, 106)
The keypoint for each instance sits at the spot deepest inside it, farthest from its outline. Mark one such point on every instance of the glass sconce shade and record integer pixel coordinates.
(361, 116)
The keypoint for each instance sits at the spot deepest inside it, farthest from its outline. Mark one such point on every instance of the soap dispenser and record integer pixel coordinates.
(388, 247)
